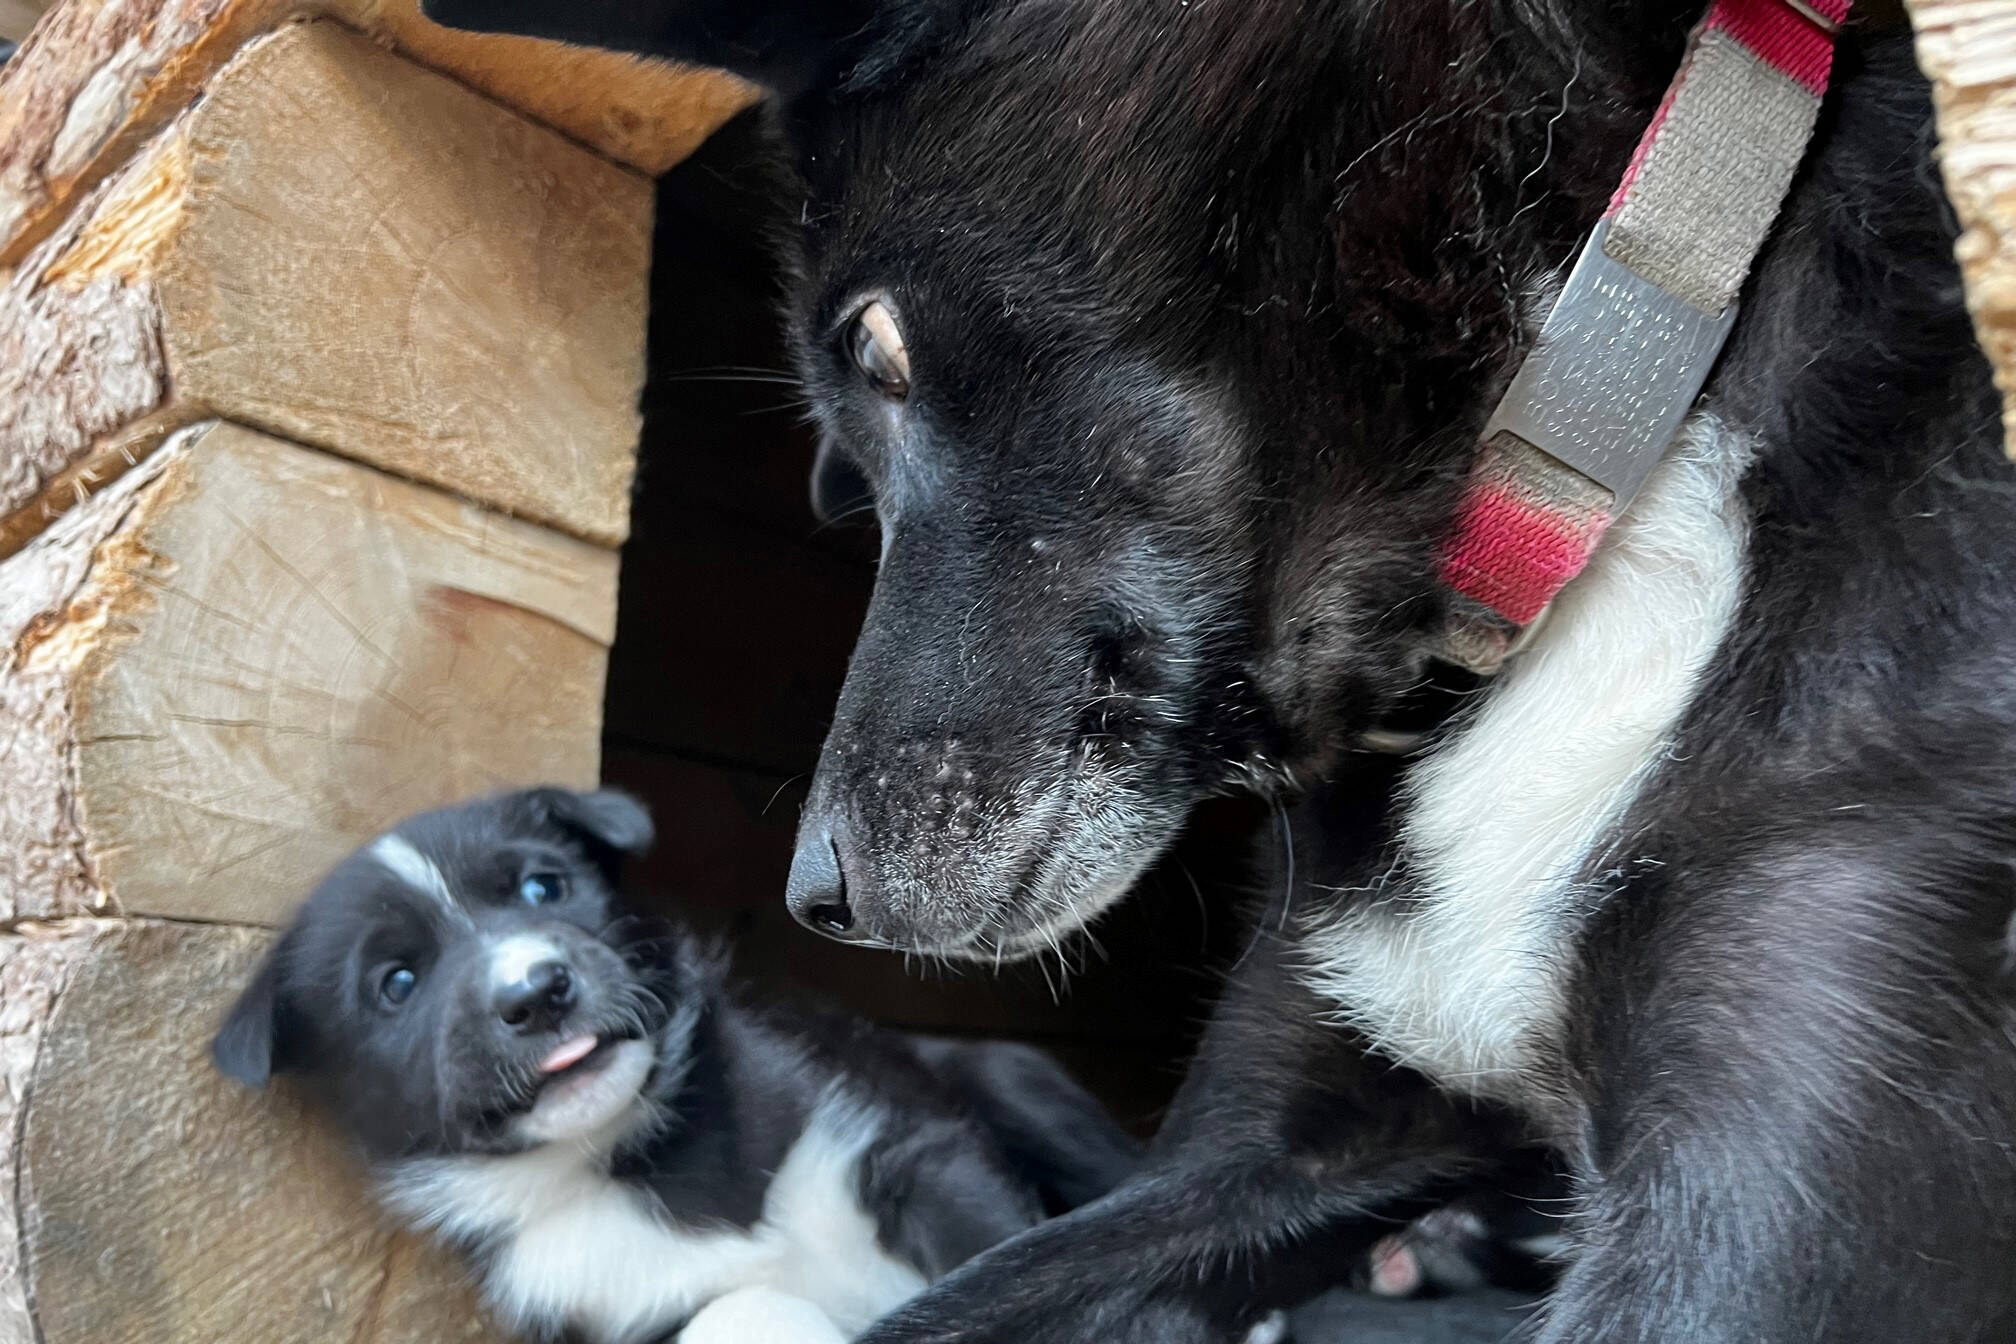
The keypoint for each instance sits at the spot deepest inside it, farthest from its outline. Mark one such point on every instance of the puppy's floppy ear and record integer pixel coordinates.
(260, 1036)
(787, 46)
(613, 825)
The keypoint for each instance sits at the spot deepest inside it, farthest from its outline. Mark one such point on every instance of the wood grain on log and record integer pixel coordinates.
(146, 1198)
(80, 365)
(341, 247)
(244, 657)
(96, 79)
(1968, 49)
(35, 968)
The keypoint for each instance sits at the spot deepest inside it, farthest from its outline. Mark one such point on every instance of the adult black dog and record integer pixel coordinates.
(1162, 334)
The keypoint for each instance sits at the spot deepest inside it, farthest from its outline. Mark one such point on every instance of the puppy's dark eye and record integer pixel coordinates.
(541, 888)
(876, 343)
(397, 984)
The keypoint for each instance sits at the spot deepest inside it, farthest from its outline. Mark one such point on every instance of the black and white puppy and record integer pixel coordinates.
(577, 1099)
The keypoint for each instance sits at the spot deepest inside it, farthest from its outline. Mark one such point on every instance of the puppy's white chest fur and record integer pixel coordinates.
(577, 1247)
(1461, 972)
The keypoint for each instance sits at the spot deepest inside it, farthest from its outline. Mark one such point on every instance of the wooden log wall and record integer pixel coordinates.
(321, 338)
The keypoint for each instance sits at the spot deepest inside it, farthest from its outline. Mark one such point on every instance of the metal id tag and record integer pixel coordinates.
(1617, 367)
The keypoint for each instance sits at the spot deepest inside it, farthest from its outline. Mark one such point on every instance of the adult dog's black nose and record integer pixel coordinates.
(816, 891)
(539, 1002)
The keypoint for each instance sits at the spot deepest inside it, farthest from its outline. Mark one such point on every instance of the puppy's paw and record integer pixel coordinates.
(1460, 1249)
(1395, 1268)
(760, 1316)
(1269, 1329)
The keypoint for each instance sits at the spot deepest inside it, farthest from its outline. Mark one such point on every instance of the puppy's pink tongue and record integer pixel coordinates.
(570, 1052)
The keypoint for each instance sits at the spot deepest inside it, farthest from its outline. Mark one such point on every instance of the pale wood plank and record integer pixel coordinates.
(243, 658)
(341, 247)
(100, 76)
(151, 1201)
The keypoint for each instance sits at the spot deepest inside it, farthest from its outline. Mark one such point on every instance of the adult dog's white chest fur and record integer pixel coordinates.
(1459, 970)
(576, 1247)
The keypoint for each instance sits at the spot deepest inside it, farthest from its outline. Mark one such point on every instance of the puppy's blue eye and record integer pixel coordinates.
(398, 984)
(541, 888)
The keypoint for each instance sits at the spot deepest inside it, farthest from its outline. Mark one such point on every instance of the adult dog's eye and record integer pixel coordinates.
(396, 985)
(876, 343)
(541, 888)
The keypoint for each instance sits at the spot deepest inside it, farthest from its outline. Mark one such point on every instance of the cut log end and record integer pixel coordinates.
(340, 247)
(245, 657)
(158, 1201)
(95, 80)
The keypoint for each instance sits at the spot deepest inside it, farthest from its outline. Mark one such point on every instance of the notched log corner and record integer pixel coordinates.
(82, 364)
(64, 602)
(464, 307)
(152, 1200)
(98, 78)
(244, 657)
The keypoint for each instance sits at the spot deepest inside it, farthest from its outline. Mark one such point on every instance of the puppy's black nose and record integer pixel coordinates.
(816, 891)
(539, 1002)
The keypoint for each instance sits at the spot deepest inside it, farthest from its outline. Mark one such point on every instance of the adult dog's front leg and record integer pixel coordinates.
(1806, 1084)
(1178, 1257)
(1288, 1153)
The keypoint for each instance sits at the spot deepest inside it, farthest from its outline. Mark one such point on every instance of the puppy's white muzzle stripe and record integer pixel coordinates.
(416, 870)
(512, 959)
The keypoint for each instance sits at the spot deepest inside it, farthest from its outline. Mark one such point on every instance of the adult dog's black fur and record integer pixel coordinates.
(1161, 334)
(582, 1101)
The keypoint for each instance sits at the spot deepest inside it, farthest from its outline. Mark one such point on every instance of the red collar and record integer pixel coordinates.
(1644, 312)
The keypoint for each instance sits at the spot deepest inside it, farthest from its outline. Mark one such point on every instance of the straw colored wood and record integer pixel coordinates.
(229, 668)
(100, 76)
(341, 247)
(150, 1201)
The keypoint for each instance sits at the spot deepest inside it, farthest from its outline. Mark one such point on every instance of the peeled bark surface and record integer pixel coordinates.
(144, 1199)
(340, 247)
(97, 77)
(243, 658)
(81, 368)
(1968, 49)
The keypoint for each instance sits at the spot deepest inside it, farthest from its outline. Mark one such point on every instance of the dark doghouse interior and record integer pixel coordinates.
(737, 616)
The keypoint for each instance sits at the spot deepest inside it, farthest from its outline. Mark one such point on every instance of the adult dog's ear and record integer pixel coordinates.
(787, 46)
(612, 825)
(260, 1036)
